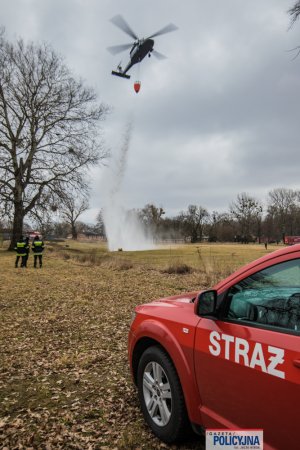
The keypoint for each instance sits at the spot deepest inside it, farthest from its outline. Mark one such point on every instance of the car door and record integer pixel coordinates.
(247, 362)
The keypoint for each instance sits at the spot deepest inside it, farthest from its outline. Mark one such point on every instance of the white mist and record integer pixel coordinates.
(123, 228)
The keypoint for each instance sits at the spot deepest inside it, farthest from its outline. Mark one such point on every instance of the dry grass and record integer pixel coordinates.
(64, 377)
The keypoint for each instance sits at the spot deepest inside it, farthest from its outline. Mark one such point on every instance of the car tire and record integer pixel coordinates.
(160, 395)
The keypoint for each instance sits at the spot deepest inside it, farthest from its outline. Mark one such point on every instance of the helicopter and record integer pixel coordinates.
(139, 48)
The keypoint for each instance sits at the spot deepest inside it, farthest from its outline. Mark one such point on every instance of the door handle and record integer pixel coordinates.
(296, 363)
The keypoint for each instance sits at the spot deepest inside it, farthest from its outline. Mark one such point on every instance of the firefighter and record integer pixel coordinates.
(37, 248)
(27, 250)
(21, 249)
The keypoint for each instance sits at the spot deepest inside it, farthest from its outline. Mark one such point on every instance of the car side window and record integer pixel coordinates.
(269, 297)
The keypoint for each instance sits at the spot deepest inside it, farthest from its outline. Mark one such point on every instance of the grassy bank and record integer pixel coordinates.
(64, 377)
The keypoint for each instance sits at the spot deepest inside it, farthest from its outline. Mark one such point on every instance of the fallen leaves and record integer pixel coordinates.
(64, 374)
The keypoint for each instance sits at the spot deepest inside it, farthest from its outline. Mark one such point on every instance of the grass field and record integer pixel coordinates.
(64, 377)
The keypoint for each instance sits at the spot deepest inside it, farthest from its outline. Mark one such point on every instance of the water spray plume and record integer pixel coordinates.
(123, 228)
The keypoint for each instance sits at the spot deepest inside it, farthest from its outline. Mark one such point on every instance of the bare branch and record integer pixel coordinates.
(49, 126)
(294, 12)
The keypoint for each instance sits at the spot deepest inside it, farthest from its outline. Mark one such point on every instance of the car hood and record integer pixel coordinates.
(174, 301)
(178, 309)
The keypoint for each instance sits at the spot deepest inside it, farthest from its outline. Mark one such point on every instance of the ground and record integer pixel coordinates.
(64, 374)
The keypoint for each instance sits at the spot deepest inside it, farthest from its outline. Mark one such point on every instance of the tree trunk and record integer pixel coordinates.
(17, 230)
(194, 236)
(74, 231)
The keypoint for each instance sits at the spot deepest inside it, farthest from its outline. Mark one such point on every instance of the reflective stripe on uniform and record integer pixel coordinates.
(38, 247)
(21, 248)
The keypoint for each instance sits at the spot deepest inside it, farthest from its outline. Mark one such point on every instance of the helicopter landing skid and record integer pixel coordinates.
(120, 74)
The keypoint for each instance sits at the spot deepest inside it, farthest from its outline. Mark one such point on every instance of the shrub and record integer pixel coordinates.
(178, 268)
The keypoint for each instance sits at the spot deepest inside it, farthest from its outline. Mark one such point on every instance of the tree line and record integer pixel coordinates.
(246, 220)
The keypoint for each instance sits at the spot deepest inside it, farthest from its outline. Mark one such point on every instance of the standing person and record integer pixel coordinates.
(37, 248)
(20, 248)
(27, 250)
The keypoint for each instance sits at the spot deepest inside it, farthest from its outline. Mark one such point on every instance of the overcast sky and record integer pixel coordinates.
(219, 117)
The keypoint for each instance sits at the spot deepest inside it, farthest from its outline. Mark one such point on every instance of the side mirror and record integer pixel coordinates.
(207, 303)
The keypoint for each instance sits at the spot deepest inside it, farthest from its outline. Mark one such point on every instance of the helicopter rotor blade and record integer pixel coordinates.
(123, 25)
(158, 55)
(166, 29)
(115, 49)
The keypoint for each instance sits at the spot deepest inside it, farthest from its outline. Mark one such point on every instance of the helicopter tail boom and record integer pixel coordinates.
(120, 74)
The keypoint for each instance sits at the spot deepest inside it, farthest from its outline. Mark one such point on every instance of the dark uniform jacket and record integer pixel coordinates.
(21, 248)
(37, 247)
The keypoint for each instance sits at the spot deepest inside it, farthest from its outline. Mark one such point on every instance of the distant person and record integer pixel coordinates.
(266, 245)
(37, 248)
(27, 247)
(21, 250)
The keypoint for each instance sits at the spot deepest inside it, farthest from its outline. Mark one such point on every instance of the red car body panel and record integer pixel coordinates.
(221, 391)
(164, 321)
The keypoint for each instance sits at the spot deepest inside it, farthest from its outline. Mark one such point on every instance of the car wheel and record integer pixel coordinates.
(161, 395)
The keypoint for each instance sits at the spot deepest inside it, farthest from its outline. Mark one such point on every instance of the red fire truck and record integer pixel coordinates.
(291, 240)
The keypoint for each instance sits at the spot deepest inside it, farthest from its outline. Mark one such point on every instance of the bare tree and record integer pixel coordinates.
(49, 128)
(151, 217)
(283, 211)
(193, 221)
(71, 209)
(221, 227)
(247, 211)
(151, 214)
(294, 12)
(99, 227)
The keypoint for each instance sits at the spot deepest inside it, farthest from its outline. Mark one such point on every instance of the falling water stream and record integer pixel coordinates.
(123, 228)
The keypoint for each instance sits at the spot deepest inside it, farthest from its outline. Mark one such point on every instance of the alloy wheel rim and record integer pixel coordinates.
(157, 393)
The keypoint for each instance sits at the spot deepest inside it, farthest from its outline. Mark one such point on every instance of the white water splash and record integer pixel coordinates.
(123, 228)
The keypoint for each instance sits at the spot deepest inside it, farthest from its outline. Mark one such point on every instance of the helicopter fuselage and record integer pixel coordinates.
(139, 48)
(137, 53)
